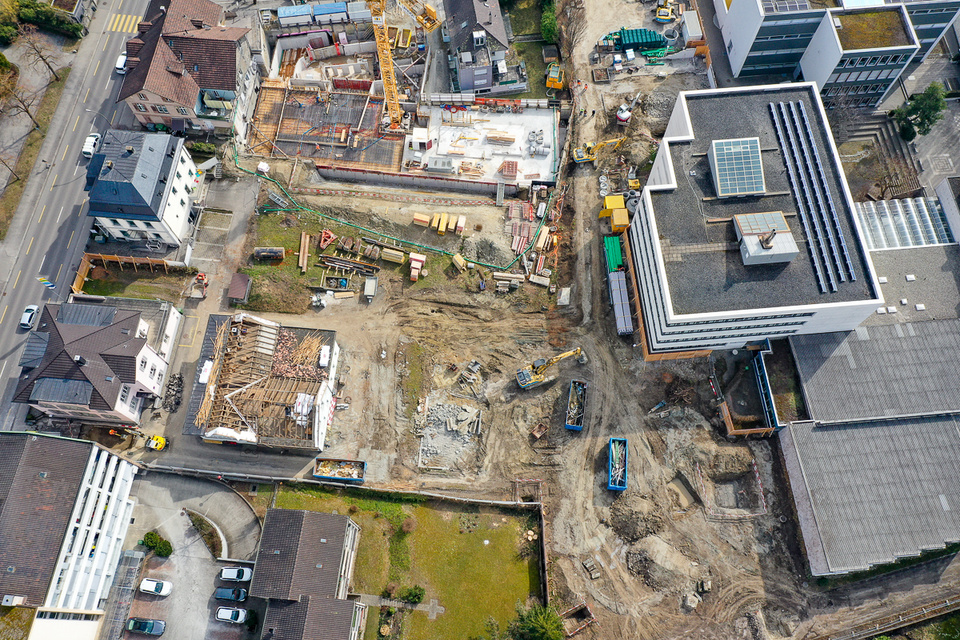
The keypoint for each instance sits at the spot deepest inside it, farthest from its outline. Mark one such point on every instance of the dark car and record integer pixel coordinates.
(146, 627)
(234, 595)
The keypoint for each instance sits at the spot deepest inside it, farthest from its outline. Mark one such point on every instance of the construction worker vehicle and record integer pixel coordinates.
(668, 11)
(533, 374)
(156, 443)
(588, 152)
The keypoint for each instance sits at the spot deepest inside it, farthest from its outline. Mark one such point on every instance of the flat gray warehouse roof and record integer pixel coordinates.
(870, 493)
(894, 370)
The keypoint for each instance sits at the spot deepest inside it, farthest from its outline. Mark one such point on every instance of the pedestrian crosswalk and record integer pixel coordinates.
(123, 23)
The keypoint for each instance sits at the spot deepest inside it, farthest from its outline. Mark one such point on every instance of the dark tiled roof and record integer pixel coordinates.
(118, 342)
(39, 480)
(299, 554)
(466, 16)
(308, 619)
(181, 51)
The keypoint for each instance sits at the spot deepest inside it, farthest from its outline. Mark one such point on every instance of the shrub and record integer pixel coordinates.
(8, 34)
(408, 525)
(548, 23)
(207, 148)
(48, 18)
(390, 591)
(908, 132)
(413, 595)
(164, 548)
(251, 620)
(151, 539)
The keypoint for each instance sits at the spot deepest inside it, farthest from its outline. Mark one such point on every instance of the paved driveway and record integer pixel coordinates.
(189, 610)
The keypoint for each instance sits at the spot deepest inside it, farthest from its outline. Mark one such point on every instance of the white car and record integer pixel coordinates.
(90, 145)
(156, 587)
(29, 317)
(236, 574)
(231, 614)
(121, 67)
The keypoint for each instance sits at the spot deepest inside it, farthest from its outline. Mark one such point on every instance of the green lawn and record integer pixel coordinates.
(466, 560)
(525, 17)
(532, 55)
(137, 284)
(15, 622)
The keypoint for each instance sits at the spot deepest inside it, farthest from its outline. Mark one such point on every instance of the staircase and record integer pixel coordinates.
(882, 131)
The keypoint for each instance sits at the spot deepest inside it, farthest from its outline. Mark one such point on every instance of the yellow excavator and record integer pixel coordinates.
(588, 152)
(425, 14)
(532, 374)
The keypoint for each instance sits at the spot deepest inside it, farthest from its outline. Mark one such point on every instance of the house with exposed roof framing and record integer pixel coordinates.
(266, 384)
(745, 229)
(96, 362)
(65, 507)
(303, 570)
(187, 72)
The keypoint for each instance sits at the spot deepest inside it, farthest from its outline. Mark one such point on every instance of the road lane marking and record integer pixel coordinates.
(4, 314)
(71, 237)
(58, 273)
(110, 28)
(59, 214)
(66, 148)
(95, 73)
(85, 97)
(54, 182)
(77, 122)
(3, 368)
(42, 262)
(113, 116)
(18, 279)
(30, 246)
(41, 214)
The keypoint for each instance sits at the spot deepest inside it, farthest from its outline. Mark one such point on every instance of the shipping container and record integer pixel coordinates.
(576, 405)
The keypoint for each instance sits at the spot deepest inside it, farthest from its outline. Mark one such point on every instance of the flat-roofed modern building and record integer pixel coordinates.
(745, 229)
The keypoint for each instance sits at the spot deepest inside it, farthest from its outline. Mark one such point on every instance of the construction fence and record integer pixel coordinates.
(88, 260)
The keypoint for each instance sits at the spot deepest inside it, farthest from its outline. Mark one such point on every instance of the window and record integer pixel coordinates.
(124, 394)
(139, 107)
(873, 60)
(157, 236)
(148, 225)
(182, 111)
(142, 96)
(178, 175)
(131, 224)
(143, 364)
(182, 203)
(160, 378)
(167, 100)
(183, 160)
(153, 370)
(173, 189)
(114, 222)
(861, 62)
(162, 109)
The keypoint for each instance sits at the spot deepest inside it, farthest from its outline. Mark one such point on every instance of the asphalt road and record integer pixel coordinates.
(50, 229)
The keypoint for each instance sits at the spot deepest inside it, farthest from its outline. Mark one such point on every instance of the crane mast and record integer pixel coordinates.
(385, 56)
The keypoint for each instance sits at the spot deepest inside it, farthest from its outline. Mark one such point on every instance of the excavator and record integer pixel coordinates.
(532, 374)
(425, 15)
(588, 152)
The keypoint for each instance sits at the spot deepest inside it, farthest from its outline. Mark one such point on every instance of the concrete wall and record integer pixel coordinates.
(415, 181)
(739, 31)
(822, 54)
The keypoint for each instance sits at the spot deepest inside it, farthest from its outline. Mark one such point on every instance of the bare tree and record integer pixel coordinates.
(846, 118)
(4, 160)
(37, 49)
(19, 99)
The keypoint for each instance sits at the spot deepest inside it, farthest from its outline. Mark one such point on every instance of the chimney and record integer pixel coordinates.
(490, 17)
(163, 9)
(129, 148)
(766, 239)
(80, 360)
(109, 163)
(144, 26)
(133, 48)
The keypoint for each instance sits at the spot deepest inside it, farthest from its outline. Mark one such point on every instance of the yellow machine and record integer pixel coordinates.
(555, 76)
(425, 15)
(532, 374)
(156, 443)
(588, 152)
(391, 96)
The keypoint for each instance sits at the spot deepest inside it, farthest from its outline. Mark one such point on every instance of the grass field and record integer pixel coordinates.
(15, 622)
(467, 560)
(10, 199)
(532, 55)
(525, 17)
(136, 284)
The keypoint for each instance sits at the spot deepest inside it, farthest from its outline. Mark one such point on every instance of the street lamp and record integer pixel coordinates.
(109, 123)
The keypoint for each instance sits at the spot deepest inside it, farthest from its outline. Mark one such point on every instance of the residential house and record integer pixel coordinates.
(95, 362)
(478, 47)
(773, 36)
(746, 230)
(142, 187)
(185, 71)
(303, 570)
(64, 511)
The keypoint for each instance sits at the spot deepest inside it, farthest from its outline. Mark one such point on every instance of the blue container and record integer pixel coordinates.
(617, 482)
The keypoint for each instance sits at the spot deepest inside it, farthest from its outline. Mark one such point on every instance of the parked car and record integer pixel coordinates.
(156, 587)
(90, 145)
(231, 614)
(121, 67)
(29, 317)
(146, 627)
(229, 593)
(236, 574)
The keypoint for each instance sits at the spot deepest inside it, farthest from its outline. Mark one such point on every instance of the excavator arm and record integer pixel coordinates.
(555, 359)
(385, 54)
(425, 15)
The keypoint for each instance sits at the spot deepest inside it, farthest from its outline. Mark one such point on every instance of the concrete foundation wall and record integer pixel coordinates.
(418, 181)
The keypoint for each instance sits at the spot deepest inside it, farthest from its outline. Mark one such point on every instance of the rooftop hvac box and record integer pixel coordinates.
(295, 16)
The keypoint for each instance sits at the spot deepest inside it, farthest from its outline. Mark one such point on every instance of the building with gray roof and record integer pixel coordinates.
(64, 511)
(142, 187)
(303, 569)
(745, 229)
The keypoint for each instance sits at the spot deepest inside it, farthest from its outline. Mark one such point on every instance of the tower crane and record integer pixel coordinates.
(385, 56)
(532, 374)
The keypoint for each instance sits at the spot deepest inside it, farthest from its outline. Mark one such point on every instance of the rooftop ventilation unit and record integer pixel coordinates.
(80, 360)
(765, 238)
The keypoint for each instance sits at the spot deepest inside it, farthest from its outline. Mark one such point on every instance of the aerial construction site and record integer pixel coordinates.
(501, 352)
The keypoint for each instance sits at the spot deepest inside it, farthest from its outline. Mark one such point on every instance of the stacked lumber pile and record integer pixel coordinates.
(500, 137)
(520, 225)
(293, 359)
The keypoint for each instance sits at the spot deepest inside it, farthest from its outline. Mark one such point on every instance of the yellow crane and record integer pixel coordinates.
(391, 96)
(532, 374)
(588, 152)
(425, 15)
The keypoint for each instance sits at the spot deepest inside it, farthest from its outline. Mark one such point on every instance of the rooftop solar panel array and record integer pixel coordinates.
(815, 204)
(738, 166)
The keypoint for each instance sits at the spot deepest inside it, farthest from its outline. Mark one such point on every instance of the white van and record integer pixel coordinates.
(122, 64)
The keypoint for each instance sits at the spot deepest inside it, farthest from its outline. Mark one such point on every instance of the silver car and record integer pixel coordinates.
(29, 317)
